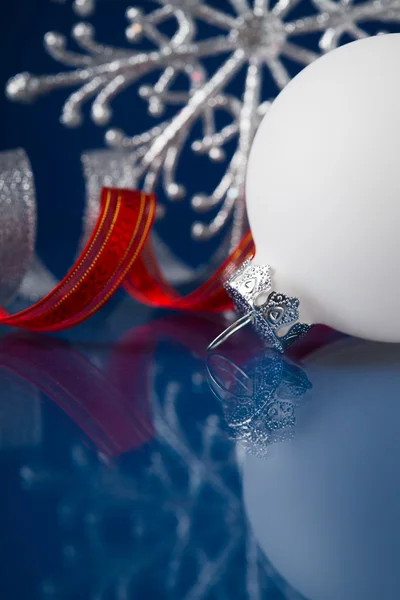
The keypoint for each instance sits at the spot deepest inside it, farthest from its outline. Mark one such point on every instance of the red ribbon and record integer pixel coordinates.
(120, 251)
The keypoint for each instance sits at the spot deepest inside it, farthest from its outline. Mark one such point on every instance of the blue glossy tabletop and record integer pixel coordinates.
(134, 466)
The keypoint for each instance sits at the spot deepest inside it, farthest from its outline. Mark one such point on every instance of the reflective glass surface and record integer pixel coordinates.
(133, 465)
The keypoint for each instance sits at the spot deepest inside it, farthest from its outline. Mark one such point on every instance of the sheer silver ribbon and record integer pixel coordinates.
(113, 168)
(17, 222)
(22, 273)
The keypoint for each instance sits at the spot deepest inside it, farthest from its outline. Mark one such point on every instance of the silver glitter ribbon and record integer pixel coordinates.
(38, 281)
(103, 168)
(112, 168)
(22, 272)
(17, 223)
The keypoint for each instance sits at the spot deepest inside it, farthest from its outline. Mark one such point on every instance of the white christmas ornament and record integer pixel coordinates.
(323, 189)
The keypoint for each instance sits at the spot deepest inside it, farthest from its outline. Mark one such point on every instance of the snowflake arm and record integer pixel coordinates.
(195, 105)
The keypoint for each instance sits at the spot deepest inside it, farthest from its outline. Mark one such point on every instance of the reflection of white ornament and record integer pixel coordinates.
(323, 189)
(325, 506)
(252, 36)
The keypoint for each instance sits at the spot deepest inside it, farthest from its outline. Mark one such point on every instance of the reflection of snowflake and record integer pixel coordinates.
(172, 520)
(253, 36)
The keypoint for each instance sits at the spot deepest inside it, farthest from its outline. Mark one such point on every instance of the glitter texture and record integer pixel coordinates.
(18, 221)
(266, 413)
(272, 314)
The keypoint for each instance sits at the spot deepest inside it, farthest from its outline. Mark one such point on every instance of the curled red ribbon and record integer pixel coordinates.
(120, 251)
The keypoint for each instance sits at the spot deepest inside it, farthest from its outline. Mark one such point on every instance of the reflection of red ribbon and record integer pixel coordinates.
(113, 407)
(109, 417)
(120, 251)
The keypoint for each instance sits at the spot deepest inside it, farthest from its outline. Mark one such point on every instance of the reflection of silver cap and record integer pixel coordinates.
(273, 315)
(260, 399)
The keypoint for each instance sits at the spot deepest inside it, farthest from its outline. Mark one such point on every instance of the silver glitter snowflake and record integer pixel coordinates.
(253, 35)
